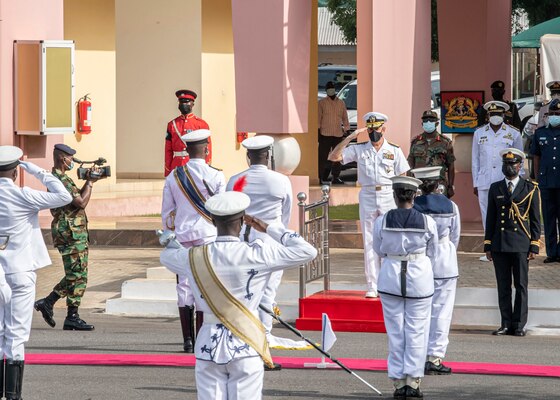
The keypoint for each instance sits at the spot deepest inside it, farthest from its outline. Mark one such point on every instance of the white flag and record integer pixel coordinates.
(328, 334)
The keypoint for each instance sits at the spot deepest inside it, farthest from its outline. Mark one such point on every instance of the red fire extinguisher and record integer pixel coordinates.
(84, 115)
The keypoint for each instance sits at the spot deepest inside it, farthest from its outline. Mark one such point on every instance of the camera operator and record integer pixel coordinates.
(70, 237)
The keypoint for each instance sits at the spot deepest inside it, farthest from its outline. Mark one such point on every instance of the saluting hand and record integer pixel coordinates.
(255, 223)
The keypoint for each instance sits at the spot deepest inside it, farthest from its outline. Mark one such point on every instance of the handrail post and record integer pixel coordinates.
(302, 278)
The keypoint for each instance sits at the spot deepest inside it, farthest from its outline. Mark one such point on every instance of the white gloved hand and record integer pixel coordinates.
(5, 293)
(31, 168)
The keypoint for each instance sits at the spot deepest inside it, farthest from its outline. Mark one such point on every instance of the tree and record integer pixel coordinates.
(344, 16)
(537, 10)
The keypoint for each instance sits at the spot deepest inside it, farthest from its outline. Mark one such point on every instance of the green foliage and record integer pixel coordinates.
(537, 10)
(344, 16)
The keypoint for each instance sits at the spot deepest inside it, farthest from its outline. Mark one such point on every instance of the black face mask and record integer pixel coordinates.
(185, 108)
(375, 136)
(509, 170)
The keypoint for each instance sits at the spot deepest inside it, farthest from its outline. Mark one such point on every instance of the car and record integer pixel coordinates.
(339, 74)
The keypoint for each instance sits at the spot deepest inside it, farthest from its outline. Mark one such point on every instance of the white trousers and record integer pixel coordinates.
(16, 315)
(405, 321)
(268, 299)
(240, 379)
(185, 295)
(483, 203)
(442, 311)
(373, 204)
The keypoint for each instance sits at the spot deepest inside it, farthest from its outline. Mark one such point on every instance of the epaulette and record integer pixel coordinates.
(217, 169)
(444, 138)
(511, 126)
(393, 144)
(487, 127)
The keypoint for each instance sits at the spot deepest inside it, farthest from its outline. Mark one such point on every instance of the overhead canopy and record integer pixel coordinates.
(531, 37)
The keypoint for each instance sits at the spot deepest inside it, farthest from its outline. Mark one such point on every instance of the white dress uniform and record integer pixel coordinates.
(445, 267)
(376, 195)
(24, 251)
(226, 366)
(486, 160)
(406, 239)
(191, 229)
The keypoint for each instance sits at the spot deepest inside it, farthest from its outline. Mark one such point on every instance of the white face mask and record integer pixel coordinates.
(429, 126)
(496, 119)
(331, 92)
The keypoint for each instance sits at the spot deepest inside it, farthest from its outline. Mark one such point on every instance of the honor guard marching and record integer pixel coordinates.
(511, 116)
(546, 160)
(511, 239)
(488, 141)
(184, 194)
(430, 149)
(378, 161)
(554, 88)
(406, 240)
(444, 262)
(176, 154)
(229, 278)
(22, 252)
(271, 201)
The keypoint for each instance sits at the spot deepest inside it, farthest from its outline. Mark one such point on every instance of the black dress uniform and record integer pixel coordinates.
(512, 231)
(511, 117)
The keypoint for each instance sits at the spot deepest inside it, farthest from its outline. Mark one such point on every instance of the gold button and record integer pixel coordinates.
(515, 222)
(502, 229)
(503, 214)
(502, 221)
(503, 207)
(514, 229)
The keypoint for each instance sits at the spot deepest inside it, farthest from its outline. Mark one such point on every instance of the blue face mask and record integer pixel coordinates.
(69, 166)
(429, 126)
(554, 120)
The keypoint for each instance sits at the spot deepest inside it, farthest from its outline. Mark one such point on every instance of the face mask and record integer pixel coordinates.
(509, 170)
(375, 136)
(69, 166)
(429, 126)
(185, 108)
(331, 92)
(496, 120)
(554, 120)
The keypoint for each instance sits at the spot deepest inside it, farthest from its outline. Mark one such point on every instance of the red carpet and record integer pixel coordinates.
(364, 364)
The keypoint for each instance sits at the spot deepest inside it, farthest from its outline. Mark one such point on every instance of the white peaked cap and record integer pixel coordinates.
(426, 172)
(377, 115)
(227, 203)
(514, 152)
(9, 155)
(406, 182)
(196, 136)
(495, 104)
(258, 142)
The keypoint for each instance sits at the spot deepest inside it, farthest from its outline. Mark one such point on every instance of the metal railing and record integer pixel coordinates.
(314, 227)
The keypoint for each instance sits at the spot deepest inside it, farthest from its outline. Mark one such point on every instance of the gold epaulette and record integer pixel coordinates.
(487, 242)
(217, 169)
(511, 126)
(393, 144)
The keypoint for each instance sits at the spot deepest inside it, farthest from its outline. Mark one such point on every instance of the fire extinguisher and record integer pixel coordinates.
(84, 115)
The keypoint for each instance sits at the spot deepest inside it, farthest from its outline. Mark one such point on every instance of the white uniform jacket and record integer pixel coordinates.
(189, 224)
(448, 221)
(486, 159)
(19, 221)
(244, 269)
(376, 167)
(405, 233)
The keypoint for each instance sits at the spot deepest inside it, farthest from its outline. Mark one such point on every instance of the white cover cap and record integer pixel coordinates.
(495, 105)
(9, 155)
(258, 142)
(227, 203)
(406, 182)
(516, 154)
(196, 136)
(427, 172)
(377, 115)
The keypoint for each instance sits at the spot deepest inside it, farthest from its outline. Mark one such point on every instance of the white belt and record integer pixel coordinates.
(406, 257)
(378, 188)
(210, 318)
(180, 153)
(443, 240)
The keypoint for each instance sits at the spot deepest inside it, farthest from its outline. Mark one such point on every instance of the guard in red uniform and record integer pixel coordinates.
(175, 150)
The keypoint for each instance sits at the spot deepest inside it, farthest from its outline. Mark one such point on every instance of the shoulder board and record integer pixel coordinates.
(393, 144)
(417, 137)
(217, 169)
(444, 138)
(512, 127)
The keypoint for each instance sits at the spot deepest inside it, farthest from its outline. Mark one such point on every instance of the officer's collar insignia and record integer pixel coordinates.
(388, 156)
(504, 127)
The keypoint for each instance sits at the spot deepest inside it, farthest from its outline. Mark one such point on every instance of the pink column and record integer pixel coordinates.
(394, 64)
(474, 51)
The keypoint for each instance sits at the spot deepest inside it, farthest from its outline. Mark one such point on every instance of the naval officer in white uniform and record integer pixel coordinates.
(446, 271)
(488, 141)
(184, 193)
(227, 366)
(22, 251)
(378, 160)
(407, 240)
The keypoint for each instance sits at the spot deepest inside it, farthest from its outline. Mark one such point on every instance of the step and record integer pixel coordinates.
(142, 308)
(149, 289)
(160, 273)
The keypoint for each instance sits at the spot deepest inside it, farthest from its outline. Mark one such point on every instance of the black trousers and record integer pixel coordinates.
(326, 144)
(551, 217)
(507, 265)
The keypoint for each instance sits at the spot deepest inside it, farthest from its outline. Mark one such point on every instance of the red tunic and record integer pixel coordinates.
(173, 142)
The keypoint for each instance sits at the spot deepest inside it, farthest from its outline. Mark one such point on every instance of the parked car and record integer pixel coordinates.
(339, 74)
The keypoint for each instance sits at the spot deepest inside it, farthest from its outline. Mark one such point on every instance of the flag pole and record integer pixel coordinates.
(298, 333)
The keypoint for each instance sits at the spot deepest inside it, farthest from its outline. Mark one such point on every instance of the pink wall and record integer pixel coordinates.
(26, 20)
(474, 50)
(271, 45)
(394, 64)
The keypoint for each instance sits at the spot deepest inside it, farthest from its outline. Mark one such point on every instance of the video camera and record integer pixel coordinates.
(100, 173)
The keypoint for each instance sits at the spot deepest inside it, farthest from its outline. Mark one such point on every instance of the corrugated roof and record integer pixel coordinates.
(329, 34)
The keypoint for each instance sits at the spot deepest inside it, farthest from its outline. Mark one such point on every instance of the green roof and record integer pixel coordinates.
(532, 37)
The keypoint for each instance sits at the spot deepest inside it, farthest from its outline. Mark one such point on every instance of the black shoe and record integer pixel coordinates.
(549, 260)
(188, 346)
(436, 369)
(276, 367)
(412, 393)
(75, 323)
(400, 393)
(520, 332)
(45, 308)
(337, 181)
(502, 330)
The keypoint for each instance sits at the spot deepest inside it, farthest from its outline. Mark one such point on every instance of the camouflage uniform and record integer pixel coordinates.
(71, 238)
(433, 153)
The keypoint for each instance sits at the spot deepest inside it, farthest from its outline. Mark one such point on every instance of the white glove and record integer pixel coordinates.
(168, 239)
(31, 168)
(5, 293)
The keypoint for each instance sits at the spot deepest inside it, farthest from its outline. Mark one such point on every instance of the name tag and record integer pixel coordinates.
(500, 197)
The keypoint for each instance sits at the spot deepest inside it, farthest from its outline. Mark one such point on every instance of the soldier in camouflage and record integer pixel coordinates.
(431, 149)
(70, 236)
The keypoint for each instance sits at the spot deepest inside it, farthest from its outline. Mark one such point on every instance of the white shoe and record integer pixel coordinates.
(371, 294)
(484, 258)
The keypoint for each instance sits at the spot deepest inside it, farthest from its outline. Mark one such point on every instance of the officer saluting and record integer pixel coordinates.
(511, 239)
(546, 160)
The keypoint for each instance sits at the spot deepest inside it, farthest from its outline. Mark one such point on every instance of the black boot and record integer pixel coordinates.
(14, 379)
(186, 315)
(73, 322)
(45, 307)
(2, 378)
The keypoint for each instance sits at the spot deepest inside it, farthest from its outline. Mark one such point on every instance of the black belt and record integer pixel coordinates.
(404, 265)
